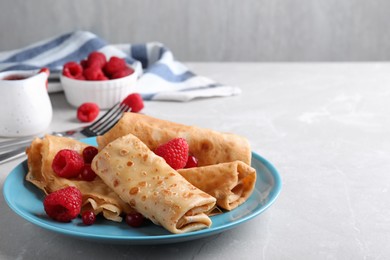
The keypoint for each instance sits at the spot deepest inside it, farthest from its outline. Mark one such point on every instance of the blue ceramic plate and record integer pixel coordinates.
(26, 200)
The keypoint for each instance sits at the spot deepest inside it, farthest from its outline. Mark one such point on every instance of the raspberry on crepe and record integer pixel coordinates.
(174, 152)
(63, 205)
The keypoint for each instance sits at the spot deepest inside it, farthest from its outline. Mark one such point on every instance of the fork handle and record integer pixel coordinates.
(5, 145)
(8, 145)
(13, 154)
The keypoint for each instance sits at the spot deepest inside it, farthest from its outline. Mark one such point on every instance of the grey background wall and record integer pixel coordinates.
(214, 30)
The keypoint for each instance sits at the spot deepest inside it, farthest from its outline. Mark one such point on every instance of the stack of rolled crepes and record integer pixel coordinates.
(97, 196)
(134, 178)
(223, 158)
(151, 186)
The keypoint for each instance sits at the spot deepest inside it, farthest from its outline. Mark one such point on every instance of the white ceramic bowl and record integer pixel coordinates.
(104, 93)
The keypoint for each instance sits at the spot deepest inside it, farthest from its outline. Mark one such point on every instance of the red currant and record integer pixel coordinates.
(89, 153)
(87, 174)
(88, 217)
(135, 219)
(191, 162)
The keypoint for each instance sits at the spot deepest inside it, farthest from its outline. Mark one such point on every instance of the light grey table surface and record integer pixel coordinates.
(324, 126)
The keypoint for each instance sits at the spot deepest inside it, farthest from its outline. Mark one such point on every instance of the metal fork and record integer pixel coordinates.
(13, 149)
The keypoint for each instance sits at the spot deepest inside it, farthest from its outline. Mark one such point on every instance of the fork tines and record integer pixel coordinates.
(107, 121)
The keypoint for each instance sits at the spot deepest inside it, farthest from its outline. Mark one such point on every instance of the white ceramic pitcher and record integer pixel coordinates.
(25, 107)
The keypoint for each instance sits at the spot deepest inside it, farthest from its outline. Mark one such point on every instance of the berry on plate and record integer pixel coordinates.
(135, 219)
(67, 163)
(87, 174)
(175, 152)
(89, 153)
(88, 217)
(87, 112)
(63, 205)
(191, 162)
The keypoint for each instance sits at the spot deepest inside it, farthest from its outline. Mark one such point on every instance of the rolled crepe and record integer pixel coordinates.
(152, 187)
(97, 196)
(208, 146)
(230, 183)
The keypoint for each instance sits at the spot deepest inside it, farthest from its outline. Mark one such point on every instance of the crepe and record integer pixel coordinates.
(152, 187)
(97, 196)
(208, 146)
(230, 183)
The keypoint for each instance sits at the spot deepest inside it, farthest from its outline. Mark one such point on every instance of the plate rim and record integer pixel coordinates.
(131, 239)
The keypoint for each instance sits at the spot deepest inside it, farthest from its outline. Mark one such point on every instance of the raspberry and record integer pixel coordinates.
(89, 153)
(63, 205)
(122, 73)
(81, 77)
(87, 174)
(191, 162)
(94, 73)
(67, 163)
(114, 65)
(72, 70)
(97, 59)
(87, 112)
(175, 152)
(84, 64)
(134, 101)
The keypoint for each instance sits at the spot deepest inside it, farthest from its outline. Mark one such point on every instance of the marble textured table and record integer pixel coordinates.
(324, 126)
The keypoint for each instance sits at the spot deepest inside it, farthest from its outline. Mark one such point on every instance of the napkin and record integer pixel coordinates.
(161, 77)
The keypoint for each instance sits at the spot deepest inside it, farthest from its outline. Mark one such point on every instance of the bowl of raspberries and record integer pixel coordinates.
(98, 80)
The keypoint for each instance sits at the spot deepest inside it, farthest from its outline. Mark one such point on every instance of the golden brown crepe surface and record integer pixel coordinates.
(230, 183)
(151, 186)
(208, 146)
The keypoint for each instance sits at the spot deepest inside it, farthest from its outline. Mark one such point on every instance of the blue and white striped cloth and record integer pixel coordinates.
(161, 77)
